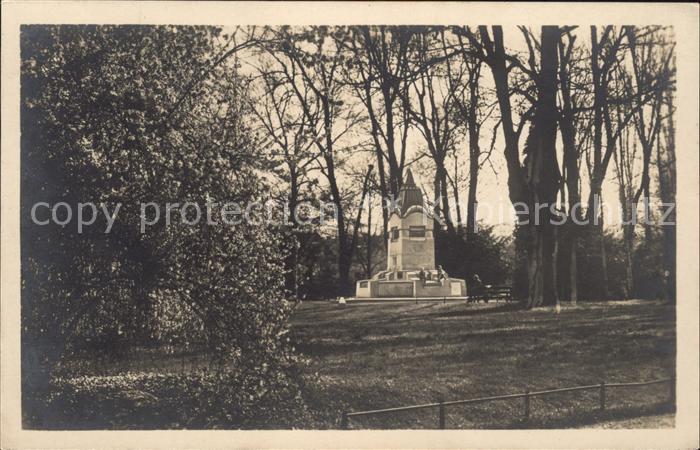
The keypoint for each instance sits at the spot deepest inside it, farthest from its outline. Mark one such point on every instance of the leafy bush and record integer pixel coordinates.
(125, 115)
(482, 253)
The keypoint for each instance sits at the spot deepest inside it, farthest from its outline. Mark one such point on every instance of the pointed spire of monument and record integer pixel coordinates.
(409, 179)
(410, 194)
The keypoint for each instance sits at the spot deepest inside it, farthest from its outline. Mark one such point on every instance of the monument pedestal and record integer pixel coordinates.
(410, 286)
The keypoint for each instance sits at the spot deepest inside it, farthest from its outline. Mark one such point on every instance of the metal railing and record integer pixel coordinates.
(526, 396)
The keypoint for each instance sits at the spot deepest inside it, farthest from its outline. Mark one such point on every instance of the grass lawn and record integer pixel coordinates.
(372, 356)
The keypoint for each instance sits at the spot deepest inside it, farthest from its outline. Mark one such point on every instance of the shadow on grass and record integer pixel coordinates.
(508, 307)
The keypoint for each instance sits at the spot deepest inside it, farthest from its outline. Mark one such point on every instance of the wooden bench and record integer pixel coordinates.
(486, 293)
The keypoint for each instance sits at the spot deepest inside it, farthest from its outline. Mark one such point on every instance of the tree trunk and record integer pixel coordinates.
(555, 264)
(600, 234)
(604, 265)
(596, 176)
(386, 198)
(386, 195)
(517, 188)
(471, 202)
(455, 192)
(541, 183)
(535, 267)
(623, 166)
(344, 260)
(571, 168)
(573, 287)
(474, 153)
(346, 256)
(666, 167)
(627, 236)
(543, 174)
(290, 262)
(344, 250)
(541, 281)
(441, 176)
(368, 271)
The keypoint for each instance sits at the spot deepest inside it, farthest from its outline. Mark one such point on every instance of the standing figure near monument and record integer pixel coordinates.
(442, 276)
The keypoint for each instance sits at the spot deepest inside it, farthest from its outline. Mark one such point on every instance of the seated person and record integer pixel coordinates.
(431, 278)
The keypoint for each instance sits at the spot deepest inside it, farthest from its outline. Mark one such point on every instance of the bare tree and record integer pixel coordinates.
(474, 123)
(574, 126)
(379, 74)
(311, 60)
(291, 135)
(432, 104)
(651, 63)
(625, 158)
(535, 180)
(666, 169)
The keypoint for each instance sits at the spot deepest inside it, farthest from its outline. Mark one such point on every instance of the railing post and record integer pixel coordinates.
(441, 415)
(344, 421)
(602, 395)
(527, 405)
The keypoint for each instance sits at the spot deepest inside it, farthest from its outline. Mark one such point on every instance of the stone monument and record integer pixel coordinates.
(411, 270)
